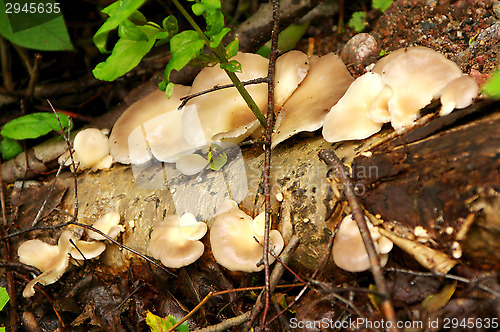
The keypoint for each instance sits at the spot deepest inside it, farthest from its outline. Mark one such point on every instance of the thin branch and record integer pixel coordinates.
(8, 83)
(219, 87)
(34, 77)
(331, 159)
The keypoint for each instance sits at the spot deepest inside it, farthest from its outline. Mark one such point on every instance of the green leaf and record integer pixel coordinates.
(169, 89)
(358, 21)
(4, 297)
(33, 125)
(184, 47)
(215, 21)
(198, 9)
(232, 66)
(126, 55)
(232, 48)
(118, 12)
(137, 18)
(129, 30)
(492, 86)
(158, 324)
(216, 39)
(434, 302)
(287, 39)
(9, 148)
(216, 156)
(170, 25)
(382, 4)
(38, 31)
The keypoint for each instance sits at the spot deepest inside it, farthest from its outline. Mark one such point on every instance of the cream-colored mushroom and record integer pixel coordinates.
(191, 164)
(53, 260)
(109, 224)
(233, 240)
(349, 118)
(458, 94)
(349, 251)
(224, 113)
(416, 76)
(291, 69)
(151, 126)
(326, 82)
(174, 241)
(91, 147)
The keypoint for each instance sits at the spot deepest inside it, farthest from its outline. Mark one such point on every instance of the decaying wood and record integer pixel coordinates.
(432, 176)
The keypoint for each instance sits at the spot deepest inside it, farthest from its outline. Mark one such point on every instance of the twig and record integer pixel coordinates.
(34, 77)
(227, 324)
(8, 83)
(331, 159)
(2, 201)
(205, 299)
(219, 87)
(39, 214)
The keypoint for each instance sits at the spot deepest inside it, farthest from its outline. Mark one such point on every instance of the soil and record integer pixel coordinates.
(97, 297)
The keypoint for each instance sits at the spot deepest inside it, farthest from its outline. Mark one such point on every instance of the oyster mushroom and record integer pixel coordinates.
(109, 224)
(174, 241)
(92, 149)
(232, 238)
(459, 94)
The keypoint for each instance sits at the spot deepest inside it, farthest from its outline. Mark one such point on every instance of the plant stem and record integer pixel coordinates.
(223, 59)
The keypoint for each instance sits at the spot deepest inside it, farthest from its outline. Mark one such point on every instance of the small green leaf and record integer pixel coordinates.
(198, 9)
(4, 297)
(232, 48)
(358, 21)
(170, 25)
(492, 86)
(217, 157)
(118, 12)
(215, 21)
(9, 148)
(184, 47)
(126, 55)
(216, 39)
(162, 85)
(158, 324)
(382, 4)
(232, 66)
(287, 39)
(137, 18)
(434, 302)
(129, 30)
(169, 89)
(33, 125)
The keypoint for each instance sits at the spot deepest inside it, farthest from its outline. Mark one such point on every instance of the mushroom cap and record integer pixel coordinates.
(149, 127)
(191, 164)
(349, 119)
(91, 146)
(233, 244)
(379, 111)
(459, 93)
(109, 224)
(170, 246)
(37, 253)
(326, 81)
(349, 251)
(225, 112)
(416, 76)
(88, 249)
(291, 69)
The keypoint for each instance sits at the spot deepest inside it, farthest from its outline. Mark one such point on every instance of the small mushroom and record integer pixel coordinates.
(109, 224)
(349, 118)
(52, 260)
(349, 251)
(233, 237)
(175, 240)
(326, 81)
(191, 164)
(291, 69)
(91, 147)
(416, 76)
(458, 94)
(150, 127)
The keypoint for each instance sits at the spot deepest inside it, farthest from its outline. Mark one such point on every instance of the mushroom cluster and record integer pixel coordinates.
(395, 91)
(237, 239)
(349, 252)
(53, 260)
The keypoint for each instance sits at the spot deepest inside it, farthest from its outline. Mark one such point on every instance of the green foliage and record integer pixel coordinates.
(158, 324)
(26, 127)
(382, 4)
(287, 39)
(492, 87)
(28, 27)
(216, 156)
(358, 21)
(4, 298)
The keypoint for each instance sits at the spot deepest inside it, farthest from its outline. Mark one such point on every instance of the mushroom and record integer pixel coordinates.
(349, 252)
(109, 224)
(224, 113)
(291, 69)
(174, 241)
(53, 260)
(150, 127)
(349, 118)
(233, 236)
(326, 81)
(459, 94)
(191, 164)
(416, 76)
(91, 148)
